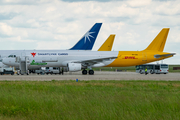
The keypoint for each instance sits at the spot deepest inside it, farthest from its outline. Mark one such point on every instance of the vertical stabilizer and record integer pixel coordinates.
(87, 41)
(107, 45)
(159, 42)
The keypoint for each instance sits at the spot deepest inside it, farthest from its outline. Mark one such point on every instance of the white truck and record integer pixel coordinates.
(52, 70)
(42, 72)
(8, 70)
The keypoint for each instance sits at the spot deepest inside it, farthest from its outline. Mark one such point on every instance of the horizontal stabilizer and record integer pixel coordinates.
(164, 55)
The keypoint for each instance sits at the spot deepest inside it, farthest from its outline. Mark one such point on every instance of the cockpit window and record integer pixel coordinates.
(0, 60)
(12, 56)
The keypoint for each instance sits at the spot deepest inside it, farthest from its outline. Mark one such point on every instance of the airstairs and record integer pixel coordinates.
(23, 65)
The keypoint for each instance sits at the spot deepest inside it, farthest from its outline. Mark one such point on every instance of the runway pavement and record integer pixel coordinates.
(97, 76)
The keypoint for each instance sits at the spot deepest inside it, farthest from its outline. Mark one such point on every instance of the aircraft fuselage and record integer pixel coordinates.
(53, 58)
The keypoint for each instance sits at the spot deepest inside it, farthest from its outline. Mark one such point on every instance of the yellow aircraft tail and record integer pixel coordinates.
(107, 45)
(159, 42)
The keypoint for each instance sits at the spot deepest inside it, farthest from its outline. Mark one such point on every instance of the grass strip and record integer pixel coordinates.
(89, 100)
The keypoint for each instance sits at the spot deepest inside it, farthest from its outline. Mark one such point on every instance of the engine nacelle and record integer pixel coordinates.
(74, 67)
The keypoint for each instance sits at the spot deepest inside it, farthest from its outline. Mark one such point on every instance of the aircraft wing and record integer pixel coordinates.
(164, 55)
(93, 61)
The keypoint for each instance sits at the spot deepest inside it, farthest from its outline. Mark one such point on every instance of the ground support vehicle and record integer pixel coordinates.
(42, 72)
(153, 68)
(52, 70)
(22, 73)
(7, 71)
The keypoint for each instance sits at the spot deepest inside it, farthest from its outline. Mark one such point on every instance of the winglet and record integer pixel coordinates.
(107, 45)
(87, 41)
(159, 42)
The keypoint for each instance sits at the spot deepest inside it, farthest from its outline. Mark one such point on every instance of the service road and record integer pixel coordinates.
(97, 76)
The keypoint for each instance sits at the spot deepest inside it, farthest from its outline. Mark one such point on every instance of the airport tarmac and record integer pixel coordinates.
(97, 76)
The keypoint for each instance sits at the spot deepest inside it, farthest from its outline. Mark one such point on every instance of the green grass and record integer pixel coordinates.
(130, 69)
(94, 100)
(171, 68)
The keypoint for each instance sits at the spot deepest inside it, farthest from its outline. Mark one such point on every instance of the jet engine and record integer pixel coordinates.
(74, 67)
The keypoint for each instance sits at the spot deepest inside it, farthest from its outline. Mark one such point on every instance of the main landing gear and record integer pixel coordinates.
(84, 72)
(91, 72)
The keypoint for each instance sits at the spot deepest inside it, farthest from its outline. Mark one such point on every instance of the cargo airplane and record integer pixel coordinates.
(81, 60)
(85, 43)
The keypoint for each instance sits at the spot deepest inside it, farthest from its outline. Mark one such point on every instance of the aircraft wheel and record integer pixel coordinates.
(151, 72)
(12, 73)
(140, 72)
(91, 72)
(84, 72)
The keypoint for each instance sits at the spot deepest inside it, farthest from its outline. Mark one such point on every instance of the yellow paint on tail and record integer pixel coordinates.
(107, 45)
(159, 42)
(154, 52)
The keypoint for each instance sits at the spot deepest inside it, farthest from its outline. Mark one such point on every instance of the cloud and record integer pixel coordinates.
(23, 2)
(9, 16)
(33, 23)
(139, 3)
(5, 30)
(19, 40)
(91, 0)
(53, 45)
(168, 8)
(59, 24)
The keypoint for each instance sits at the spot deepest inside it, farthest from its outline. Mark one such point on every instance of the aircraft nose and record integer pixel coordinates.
(1, 64)
(6, 61)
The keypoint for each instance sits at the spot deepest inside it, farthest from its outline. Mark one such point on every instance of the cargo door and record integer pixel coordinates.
(144, 56)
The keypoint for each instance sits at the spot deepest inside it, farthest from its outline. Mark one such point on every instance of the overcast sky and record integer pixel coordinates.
(59, 24)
